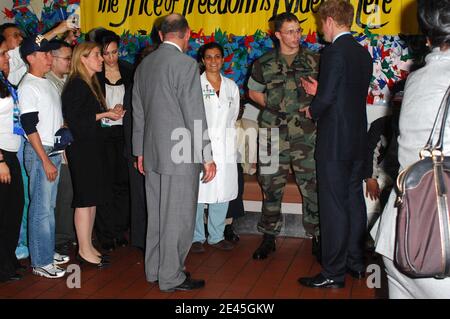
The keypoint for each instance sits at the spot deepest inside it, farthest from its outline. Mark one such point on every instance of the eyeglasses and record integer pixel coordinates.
(62, 57)
(293, 31)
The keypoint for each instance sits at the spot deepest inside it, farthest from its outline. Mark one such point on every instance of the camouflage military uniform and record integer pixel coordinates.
(284, 97)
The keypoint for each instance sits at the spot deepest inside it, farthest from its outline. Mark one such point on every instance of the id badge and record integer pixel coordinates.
(105, 122)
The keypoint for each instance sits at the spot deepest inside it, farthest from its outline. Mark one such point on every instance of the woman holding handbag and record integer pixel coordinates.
(424, 91)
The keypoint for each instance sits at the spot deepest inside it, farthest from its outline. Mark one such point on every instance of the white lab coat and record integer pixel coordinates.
(221, 115)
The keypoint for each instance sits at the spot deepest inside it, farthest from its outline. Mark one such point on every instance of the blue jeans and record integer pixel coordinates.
(217, 214)
(41, 212)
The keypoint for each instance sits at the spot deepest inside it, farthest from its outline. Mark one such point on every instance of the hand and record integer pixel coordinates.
(307, 112)
(209, 172)
(72, 36)
(115, 114)
(5, 175)
(310, 85)
(372, 189)
(118, 108)
(50, 170)
(63, 27)
(140, 164)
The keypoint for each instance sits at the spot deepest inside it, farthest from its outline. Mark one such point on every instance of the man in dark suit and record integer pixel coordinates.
(167, 105)
(339, 107)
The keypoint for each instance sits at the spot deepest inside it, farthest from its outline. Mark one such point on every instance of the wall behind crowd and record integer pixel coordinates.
(243, 32)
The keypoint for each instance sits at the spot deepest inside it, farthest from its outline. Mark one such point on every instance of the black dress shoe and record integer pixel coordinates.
(230, 234)
(101, 264)
(15, 277)
(267, 246)
(319, 281)
(187, 284)
(356, 274)
(187, 273)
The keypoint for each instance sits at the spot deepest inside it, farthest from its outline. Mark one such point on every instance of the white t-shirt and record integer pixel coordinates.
(114, 95)
(17, 68)
(8, 140)
(40, 95)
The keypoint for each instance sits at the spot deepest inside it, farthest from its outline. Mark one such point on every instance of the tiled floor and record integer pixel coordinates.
(233, 275)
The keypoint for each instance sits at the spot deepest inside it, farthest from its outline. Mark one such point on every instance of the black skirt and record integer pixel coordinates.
(87, 172)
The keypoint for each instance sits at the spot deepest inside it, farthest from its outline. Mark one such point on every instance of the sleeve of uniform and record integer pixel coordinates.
(256, 80)
(330, 77)
(138, 118)
(192, 108)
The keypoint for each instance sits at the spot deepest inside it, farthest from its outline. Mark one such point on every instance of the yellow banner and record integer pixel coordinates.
(242, 17)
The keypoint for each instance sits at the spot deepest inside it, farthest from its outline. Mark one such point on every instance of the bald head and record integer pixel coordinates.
(174, 25)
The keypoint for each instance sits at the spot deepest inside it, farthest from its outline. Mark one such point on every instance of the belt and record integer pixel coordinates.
(281, 115)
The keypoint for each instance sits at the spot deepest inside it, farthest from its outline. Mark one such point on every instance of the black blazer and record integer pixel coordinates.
(126, 72)
(339, 106)
(80, 108)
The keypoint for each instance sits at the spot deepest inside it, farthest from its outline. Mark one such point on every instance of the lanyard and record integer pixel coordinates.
(18, 130)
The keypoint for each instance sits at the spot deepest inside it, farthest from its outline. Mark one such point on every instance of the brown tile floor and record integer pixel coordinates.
(233, 275)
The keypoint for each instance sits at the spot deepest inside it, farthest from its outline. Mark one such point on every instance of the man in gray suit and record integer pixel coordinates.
(167, 100)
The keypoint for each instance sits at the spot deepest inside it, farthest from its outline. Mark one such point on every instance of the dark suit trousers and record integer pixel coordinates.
(138, 206)
(343, 216)
(11, 208)
(64, 222)
(113, 218)
(171, 205)
(236, 206)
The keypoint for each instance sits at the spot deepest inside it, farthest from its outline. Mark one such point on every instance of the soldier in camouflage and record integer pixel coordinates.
(275, 85)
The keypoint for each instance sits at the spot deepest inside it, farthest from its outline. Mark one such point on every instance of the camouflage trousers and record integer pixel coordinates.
(295, 148)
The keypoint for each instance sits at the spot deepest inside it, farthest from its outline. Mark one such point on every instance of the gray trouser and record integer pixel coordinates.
(64, 223)
(171, 206)
(404, 287)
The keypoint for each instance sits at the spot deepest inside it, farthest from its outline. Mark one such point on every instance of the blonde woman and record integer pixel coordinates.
(83, 107)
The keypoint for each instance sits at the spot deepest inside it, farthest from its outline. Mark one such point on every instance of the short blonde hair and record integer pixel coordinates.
(341, 11)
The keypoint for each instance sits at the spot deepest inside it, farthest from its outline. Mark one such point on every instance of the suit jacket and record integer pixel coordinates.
(167, 100)
(126, 71)
(339, 106)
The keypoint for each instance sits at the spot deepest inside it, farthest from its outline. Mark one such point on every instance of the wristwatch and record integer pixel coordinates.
(2, 161)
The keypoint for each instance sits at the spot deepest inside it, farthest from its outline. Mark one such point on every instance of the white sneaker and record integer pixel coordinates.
(49, 271)
(59, 259)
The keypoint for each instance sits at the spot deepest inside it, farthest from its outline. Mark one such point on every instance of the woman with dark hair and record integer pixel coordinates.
(221, 99)
(11, 184)
(424, 91)
(113, 218)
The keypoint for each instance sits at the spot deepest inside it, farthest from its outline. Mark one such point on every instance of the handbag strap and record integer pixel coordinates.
(440, 142)
(443, 109)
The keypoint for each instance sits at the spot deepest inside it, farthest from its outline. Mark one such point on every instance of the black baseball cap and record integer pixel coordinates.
(36, 43)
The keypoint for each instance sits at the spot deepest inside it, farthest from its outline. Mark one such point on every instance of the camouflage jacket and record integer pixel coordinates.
(281, 83)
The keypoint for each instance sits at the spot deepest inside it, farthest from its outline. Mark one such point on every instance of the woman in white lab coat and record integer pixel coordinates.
(221, 99)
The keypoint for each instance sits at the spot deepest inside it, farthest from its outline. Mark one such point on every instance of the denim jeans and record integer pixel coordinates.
(41, 212)
(217, 213)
